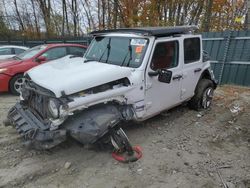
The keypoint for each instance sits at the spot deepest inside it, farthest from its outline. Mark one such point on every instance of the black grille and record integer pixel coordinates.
(39, 104)
(37, 98)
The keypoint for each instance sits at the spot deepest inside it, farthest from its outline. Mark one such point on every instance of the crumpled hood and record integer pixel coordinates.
(72, 75)
(8, 62)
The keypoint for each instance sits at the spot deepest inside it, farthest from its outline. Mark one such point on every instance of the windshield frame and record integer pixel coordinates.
(103, 60)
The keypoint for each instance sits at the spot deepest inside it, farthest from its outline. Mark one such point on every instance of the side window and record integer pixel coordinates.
(18, 50)
(192, 50)
(76, 51)
(55, 53)
(5, 51)
(165, 55)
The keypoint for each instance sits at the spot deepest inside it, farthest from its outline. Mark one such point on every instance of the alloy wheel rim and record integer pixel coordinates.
(207, 97)
(18, 84)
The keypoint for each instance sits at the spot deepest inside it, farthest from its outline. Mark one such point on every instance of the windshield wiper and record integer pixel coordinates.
(130, 56)
(107, 48)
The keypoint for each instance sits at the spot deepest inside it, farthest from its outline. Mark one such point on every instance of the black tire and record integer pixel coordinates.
(15, 84)
(203, 95)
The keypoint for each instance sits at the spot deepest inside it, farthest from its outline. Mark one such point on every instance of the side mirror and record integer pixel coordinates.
(165, 76)
(153, 73)
(41, 59)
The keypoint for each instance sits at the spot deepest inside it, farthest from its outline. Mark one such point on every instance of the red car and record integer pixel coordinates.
(11, 70)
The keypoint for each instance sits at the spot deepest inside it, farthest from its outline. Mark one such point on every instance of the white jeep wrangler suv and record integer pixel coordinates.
(126, 74)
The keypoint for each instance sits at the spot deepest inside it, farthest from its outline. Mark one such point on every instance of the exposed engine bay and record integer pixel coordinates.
(44, 121)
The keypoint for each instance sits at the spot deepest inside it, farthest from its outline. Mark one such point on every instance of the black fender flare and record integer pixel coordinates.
(208, 74)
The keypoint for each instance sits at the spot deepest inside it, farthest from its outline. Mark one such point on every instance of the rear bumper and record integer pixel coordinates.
(4, 82)
(34, 132)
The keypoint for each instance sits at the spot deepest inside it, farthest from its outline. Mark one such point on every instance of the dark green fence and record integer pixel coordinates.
(230, 54)
(32, 43)
(229, 51)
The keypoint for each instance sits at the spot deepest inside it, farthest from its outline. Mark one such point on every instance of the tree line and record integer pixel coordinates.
(53, 18)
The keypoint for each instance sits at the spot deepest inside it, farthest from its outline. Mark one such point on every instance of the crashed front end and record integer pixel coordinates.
(45, 121)
(33, 117)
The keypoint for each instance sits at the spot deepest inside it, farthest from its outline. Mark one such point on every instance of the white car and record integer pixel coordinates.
(8, 51)
(127, 74)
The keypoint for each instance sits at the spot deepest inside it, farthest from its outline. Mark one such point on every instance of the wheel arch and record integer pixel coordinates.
(206, 74)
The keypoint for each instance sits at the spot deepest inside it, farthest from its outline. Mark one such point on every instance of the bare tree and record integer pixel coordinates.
(20, 21)
(35, 17)
(45, 6)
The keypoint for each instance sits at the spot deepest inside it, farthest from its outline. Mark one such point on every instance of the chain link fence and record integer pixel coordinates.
(31, 43)
(229, 51)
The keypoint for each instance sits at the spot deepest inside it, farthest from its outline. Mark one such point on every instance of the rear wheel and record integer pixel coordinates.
(203, 95)
(16, 84)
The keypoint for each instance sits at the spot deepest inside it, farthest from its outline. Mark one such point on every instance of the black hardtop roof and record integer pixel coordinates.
(150, 31)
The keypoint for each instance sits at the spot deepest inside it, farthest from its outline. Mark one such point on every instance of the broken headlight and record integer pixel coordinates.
(54, 108)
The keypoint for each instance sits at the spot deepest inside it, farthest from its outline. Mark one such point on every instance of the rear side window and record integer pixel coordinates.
(76, 51)
(192, 50)
(18, 50)
(55, 53)
(5, 51)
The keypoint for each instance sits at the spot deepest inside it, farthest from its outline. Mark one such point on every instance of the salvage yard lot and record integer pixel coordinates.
(181, 148)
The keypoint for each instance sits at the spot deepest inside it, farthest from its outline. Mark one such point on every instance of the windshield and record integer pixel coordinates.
(121, 51)
(31, 52)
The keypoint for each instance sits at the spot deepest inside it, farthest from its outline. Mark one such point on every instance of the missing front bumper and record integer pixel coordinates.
(87, 126)
(35, 133)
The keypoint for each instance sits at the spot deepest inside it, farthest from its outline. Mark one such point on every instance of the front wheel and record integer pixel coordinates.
(203, 95)
(121, 142)
(124, 152)
(16, 84)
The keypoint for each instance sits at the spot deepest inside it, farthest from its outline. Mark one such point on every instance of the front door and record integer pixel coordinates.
(158, 95)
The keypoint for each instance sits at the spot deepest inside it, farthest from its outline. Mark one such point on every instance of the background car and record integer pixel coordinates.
(11, 70)
(10, 51)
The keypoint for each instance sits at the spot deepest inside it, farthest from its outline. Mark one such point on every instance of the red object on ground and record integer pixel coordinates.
(33, 57)
(121, 157)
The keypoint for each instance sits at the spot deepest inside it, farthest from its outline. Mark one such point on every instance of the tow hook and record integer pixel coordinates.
(124, 152)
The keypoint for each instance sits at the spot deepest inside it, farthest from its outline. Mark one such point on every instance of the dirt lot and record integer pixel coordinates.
(181, 148)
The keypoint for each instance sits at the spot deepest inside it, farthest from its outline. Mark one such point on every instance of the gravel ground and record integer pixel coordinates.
(181, 148)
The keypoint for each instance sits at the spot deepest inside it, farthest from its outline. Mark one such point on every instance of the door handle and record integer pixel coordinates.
(177, 77)
(197, 70)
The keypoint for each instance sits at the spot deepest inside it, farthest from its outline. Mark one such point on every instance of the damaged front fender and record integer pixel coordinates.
(90, 125)
(86, 126)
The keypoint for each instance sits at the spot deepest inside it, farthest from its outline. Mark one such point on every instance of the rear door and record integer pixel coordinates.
(192, 67)
(158, 95)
